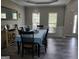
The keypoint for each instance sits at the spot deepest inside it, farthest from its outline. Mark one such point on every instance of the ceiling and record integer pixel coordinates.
(41, 2)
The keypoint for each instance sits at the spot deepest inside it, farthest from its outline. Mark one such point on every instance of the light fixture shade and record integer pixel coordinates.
(40, 1)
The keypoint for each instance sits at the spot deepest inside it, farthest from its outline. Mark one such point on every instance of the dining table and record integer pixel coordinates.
(38, 39)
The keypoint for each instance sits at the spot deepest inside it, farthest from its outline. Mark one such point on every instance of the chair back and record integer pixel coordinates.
(45, 37)
(46, 34)
(27, 29)
(21, 28)
(40, 26)
(27, 37)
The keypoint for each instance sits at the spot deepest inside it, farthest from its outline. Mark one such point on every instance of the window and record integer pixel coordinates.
(35, 20)
(75, 24)
(14, 15)
(52, 22)
(3, 15)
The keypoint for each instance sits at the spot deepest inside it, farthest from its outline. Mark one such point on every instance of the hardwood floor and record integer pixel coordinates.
(58, 48)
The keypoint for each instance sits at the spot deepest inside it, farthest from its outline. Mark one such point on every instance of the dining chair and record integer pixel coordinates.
(45, 39)
(27, 39)
(21, 28)
(27, 29)
(40, 26)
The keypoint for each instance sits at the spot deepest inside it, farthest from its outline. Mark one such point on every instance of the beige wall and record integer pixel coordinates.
(20, 9)
(44, 16)
(70, 11)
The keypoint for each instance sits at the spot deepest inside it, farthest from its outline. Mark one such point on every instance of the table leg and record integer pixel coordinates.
(18, 46)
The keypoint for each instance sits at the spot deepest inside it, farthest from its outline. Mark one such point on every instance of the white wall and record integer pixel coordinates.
(70, 10)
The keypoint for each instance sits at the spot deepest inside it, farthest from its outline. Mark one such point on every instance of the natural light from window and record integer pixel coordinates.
(3, 15)
(14, 15)
(52, 22)
(75, 24)
(35, 20)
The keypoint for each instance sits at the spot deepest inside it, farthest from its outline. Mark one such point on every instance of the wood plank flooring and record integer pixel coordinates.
(58, 48)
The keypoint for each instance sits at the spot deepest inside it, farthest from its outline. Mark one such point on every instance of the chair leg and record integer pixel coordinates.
(38, 50)
(22, 52)
(33, 53)
(45, 47)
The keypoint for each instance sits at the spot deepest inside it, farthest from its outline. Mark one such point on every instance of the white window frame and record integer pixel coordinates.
(3, 15)
(75, 24)
(35, 23)
(52, 29)
(14, 15)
